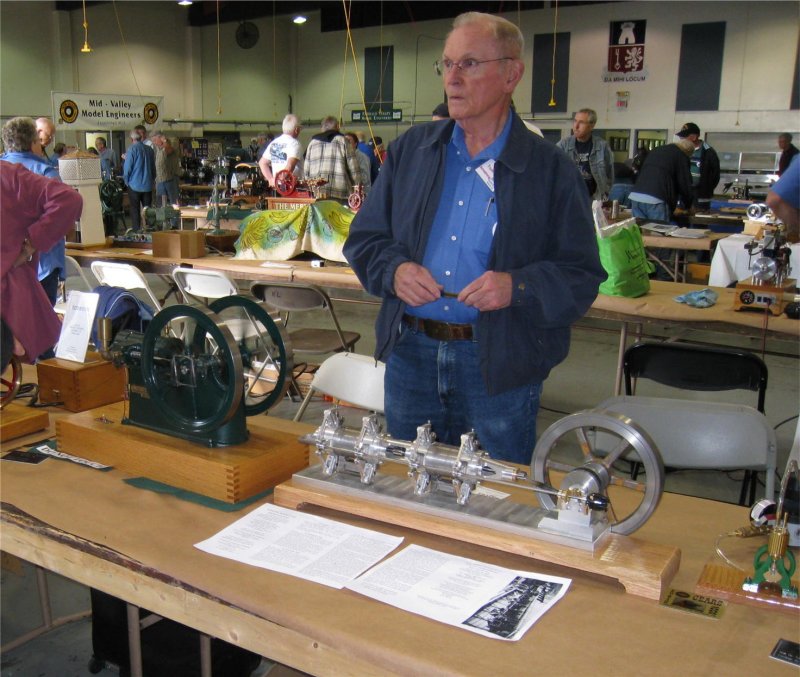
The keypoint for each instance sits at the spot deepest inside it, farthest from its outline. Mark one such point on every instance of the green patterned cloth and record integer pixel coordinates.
(278, 235)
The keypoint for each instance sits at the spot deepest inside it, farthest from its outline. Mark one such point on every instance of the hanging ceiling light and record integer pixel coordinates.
(85, 49)
(299, 19)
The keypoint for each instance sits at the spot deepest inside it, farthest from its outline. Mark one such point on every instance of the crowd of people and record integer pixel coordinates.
(344, 160)
(447, 238)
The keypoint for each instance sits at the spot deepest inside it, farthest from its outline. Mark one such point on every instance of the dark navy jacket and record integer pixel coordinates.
(665, 174)
(544, 238)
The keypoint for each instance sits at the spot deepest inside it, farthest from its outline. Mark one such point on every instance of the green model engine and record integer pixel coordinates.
(197, 373)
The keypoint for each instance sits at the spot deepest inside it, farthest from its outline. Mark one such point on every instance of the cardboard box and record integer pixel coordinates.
(179, 244)
(81, 385)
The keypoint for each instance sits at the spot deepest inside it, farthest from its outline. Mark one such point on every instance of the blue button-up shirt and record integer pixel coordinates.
(461, 238)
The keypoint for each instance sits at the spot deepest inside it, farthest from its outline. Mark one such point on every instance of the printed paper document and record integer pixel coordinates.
(301, 545)
(482, 598)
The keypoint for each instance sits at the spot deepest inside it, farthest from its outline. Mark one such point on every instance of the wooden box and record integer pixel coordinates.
(179, 244)
(80, 386)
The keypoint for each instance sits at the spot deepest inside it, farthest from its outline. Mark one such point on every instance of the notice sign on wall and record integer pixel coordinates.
(104, 111)
(626, 52)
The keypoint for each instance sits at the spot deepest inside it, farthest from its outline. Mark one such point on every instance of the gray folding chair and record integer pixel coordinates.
(292, 297)
(709, 435)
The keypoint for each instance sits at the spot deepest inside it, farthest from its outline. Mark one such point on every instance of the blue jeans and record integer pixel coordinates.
(645, 210)
(440, 381)
(168, 188)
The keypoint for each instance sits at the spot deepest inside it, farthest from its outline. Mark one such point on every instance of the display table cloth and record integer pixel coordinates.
(320, 228)
(731, 261)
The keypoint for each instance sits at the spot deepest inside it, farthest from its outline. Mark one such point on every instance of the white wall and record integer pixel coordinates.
(39, 52)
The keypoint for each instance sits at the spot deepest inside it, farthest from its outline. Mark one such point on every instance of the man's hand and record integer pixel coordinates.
(491, 291)
(415, 285)
(25, 254)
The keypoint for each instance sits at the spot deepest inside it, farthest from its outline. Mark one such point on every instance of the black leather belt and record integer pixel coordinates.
(439, 331)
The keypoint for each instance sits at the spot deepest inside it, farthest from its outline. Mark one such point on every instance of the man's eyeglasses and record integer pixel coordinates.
(466, 66)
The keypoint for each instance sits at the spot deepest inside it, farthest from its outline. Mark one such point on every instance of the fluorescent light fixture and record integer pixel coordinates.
(185, 3)
(299, 19)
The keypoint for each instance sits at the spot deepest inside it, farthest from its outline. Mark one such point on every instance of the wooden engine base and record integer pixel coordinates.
(753, 296)
(229, 474)
(644, 569)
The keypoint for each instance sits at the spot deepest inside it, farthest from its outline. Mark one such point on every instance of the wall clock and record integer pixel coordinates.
(247, 35)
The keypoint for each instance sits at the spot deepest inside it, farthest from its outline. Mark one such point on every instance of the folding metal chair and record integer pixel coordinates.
(75, 279)
(355, 379)
(202, 286)
(292, 297)
(689, 367)
(124, 275)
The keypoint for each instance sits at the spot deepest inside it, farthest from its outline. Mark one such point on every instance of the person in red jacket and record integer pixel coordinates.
(37, 213)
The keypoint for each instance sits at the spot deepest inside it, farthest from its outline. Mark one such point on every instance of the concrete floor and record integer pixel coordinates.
(581, 382)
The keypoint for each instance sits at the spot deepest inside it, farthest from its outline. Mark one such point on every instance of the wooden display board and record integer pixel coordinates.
(644, 569)
(17, 421)
(229, 474)
(725, 582)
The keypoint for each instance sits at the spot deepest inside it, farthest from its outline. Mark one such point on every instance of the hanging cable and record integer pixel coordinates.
(744, 62)
(125, 47)
(219, 68)
(347, 6)
(552, 102)
(274, 60)
(358, 76)
(85, 49)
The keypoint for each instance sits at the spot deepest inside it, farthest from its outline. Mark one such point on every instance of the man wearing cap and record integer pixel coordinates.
(703, 164)
(663, 178)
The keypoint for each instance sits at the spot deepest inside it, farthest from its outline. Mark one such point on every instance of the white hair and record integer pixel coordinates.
(507, 35)
(290, 123)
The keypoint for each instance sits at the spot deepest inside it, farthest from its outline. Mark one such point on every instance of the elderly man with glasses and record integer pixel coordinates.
(478, 236)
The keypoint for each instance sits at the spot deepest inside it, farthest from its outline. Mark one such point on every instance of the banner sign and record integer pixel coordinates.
(104, 111)
(626, 52)
(394, 115)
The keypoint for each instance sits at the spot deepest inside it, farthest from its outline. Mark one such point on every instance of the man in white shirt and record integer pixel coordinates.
(285, 152)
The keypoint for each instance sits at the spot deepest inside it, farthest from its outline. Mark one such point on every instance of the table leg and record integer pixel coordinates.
(205, 655)
(134, 640)
(44, 597)
(623, 340)
(659, 262)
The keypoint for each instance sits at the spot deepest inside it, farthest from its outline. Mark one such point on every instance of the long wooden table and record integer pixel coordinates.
(658, 309)
(330, 275)
(656, 306)
(679, 246)
(137, 545)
